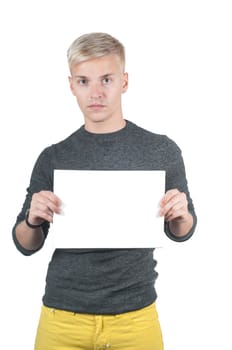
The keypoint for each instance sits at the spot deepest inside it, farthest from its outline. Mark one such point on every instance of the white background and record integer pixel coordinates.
(179, 63)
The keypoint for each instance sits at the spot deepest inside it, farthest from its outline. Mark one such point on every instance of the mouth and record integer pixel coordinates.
(96, 106)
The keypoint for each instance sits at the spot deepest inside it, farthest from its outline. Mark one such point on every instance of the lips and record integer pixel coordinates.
(96, 105)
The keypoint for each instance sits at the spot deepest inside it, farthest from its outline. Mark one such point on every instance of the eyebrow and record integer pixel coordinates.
(85, 77)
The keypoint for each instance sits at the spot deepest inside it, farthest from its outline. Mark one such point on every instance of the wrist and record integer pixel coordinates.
(181, 225)
(182, 219)
(29, 224)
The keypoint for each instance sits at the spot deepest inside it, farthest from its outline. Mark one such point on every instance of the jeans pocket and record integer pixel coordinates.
(145, 318)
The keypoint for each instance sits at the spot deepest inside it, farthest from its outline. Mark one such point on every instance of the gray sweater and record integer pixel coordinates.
(105, 281)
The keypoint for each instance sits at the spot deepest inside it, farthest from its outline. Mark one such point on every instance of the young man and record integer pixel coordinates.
(101, 298)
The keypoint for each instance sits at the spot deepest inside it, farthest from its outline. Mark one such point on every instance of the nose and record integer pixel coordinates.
(96, 91)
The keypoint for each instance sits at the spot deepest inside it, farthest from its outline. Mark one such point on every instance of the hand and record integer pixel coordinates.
(43, 205)
(174, 206)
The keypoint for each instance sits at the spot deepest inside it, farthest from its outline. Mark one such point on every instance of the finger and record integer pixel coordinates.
(43, 205)
(175, 202)
(45, 215)
(175, 212)
(168, 195)
(46, 201)
(168, 206)
(181, 215)
(40, 211)
(51, 197)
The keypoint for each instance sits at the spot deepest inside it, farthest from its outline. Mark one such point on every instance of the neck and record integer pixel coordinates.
(105, 127)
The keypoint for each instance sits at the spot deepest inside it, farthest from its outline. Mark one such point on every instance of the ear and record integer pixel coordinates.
(125, 82)
(71, 85)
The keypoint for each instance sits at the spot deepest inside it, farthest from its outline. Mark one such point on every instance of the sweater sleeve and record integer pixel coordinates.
(176, 178)
(41, 179)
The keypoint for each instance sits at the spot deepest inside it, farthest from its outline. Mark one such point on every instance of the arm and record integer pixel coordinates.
(27, 240)
(43, 205)
(177, 206)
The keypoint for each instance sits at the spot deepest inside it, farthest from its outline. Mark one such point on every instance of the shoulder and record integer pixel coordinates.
(148, 137)
(61, 150)
(61, 146)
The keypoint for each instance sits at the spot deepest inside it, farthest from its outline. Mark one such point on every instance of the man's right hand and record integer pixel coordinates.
(43, 205)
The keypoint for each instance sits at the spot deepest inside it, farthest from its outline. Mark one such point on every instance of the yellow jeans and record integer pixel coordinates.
(64, 330)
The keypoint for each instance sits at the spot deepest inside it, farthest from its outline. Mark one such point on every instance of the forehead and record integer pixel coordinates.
(109, 64)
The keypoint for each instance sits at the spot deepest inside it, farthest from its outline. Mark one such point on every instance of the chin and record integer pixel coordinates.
(97, 119)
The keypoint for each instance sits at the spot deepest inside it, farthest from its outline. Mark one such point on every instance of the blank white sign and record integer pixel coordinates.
(108, 209)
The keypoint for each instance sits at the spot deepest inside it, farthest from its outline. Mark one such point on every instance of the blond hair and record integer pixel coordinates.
(94, 45)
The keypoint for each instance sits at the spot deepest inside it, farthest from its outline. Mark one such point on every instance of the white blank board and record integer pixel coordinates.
(108, 209)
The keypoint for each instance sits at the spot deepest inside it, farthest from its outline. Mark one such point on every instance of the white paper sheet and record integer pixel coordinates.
(109, 209)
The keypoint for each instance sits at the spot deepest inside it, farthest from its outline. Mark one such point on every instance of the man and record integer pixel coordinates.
(101, 298)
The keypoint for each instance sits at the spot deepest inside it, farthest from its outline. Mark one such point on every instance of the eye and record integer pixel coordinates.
(106, 80)
(83, 82)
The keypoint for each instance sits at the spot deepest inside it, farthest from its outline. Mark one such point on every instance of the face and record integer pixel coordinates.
(98, 85)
